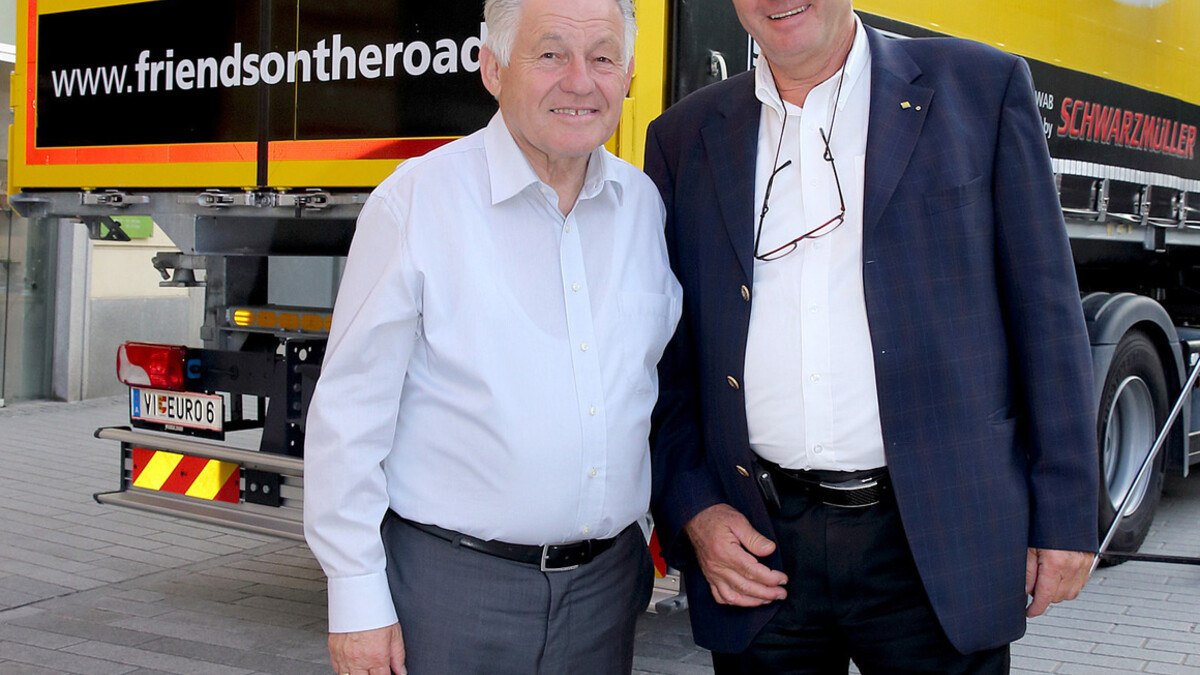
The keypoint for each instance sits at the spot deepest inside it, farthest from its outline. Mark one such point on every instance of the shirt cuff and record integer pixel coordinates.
(360, 603)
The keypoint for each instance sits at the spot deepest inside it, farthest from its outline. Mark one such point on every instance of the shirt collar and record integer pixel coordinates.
(857, 62)
(510, 173)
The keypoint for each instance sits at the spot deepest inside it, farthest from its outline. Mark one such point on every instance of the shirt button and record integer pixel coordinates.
(575, 286)
(583, 347)
(818, 448)
(815, 377)
(593, 472)
(813, 309)
(733, 382)
(585, 529)
(568, 227)
(592, 411)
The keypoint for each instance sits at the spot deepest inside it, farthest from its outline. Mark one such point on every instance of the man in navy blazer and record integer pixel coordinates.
(875, 438)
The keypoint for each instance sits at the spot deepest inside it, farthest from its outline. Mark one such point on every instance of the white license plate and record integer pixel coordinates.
(176, 410)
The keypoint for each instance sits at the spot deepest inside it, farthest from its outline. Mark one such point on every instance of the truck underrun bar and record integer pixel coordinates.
(284, 520)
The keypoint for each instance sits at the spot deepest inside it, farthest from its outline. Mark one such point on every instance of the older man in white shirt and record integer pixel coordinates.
(490, 374)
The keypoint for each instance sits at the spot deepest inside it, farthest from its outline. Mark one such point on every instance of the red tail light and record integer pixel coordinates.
(145, 365)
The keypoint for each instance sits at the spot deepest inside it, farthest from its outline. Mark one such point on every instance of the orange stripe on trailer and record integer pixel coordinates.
(378, 148)
(143, 154)
(206, 479)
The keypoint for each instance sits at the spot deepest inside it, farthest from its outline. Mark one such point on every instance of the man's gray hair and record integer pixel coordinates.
(502, 17)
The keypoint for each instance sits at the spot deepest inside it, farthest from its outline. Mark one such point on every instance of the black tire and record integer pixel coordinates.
(1133, 406)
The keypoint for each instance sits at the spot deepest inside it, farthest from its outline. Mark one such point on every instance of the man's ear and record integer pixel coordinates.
(629, 74)
(489, 71)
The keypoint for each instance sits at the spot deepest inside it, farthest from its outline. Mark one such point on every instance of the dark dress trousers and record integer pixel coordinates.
(980, 349)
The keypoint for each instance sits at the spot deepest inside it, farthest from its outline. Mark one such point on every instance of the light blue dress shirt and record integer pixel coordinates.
(492, 364)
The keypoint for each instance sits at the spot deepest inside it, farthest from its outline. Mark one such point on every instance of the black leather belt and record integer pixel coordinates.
(548, 558)
(845, 489)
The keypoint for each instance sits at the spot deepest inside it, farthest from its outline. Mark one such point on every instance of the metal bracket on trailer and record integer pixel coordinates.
(668, 595)
(1159, 442)
(113, 198)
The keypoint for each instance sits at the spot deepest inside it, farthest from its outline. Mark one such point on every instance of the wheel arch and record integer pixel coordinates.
(1109, 317)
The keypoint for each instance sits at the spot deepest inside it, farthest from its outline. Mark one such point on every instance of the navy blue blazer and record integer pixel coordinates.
(981, 354)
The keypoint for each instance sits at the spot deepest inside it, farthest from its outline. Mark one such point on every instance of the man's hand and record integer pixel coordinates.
(369, 652)
(727, 547)
(1053, 576)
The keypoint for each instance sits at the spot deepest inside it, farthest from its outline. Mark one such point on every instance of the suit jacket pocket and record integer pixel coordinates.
(955, 197)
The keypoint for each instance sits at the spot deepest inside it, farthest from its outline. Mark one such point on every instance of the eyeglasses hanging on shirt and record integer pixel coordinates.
(825, 227)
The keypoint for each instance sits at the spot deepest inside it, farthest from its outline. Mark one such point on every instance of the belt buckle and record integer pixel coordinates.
(842, 487)
(546, 555)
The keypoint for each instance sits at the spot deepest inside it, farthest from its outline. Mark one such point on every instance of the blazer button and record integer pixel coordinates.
(733, 382)
(745, 293)
(742, 470)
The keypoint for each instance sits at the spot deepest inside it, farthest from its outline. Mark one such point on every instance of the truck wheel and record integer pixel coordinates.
(1133, 406)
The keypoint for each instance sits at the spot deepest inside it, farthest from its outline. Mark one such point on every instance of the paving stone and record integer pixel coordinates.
(139, 595)
(148, 659)
(1182, 647)
(10, 598)
(184, 542)
(1149, 654)
(131, 607)
(254, 660)
(313, 573)
(185, 626)
(1171, 669)
(88, 629)
(1029, 664)
(242, 540)
(49, 576)
(36, 638)
(13, 668)
(1089, 669)
(60, 661)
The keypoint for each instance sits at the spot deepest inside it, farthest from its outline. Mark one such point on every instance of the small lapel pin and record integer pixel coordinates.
(905, 104)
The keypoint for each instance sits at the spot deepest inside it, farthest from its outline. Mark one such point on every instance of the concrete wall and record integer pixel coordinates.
(126, 303)
(108, 293)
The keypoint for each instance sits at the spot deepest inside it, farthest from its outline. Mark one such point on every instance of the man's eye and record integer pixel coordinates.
(549, 55)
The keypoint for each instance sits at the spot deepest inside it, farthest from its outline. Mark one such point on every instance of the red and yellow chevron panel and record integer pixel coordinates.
(192, 476)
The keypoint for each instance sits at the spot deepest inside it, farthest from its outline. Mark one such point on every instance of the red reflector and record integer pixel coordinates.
(145, 365)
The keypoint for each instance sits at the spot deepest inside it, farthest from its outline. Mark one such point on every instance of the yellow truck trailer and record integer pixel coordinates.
(252, 132)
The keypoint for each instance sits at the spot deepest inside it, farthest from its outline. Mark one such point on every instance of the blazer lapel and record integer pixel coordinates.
(731, 141)
(897, 114)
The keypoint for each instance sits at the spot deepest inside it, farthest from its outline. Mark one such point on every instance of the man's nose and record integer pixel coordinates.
(578, 77)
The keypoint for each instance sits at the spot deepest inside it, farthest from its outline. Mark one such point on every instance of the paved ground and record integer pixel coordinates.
(95, 589)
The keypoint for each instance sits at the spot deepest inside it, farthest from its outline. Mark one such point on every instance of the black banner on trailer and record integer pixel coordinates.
(396, 69)
(182, 71)
(1093, 119)
(102, 75)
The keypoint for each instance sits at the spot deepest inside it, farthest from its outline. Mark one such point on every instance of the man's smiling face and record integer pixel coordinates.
(562, 90)
(796, 32)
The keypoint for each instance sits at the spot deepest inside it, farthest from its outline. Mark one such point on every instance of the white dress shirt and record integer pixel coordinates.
(811, 400)
(492, 364)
